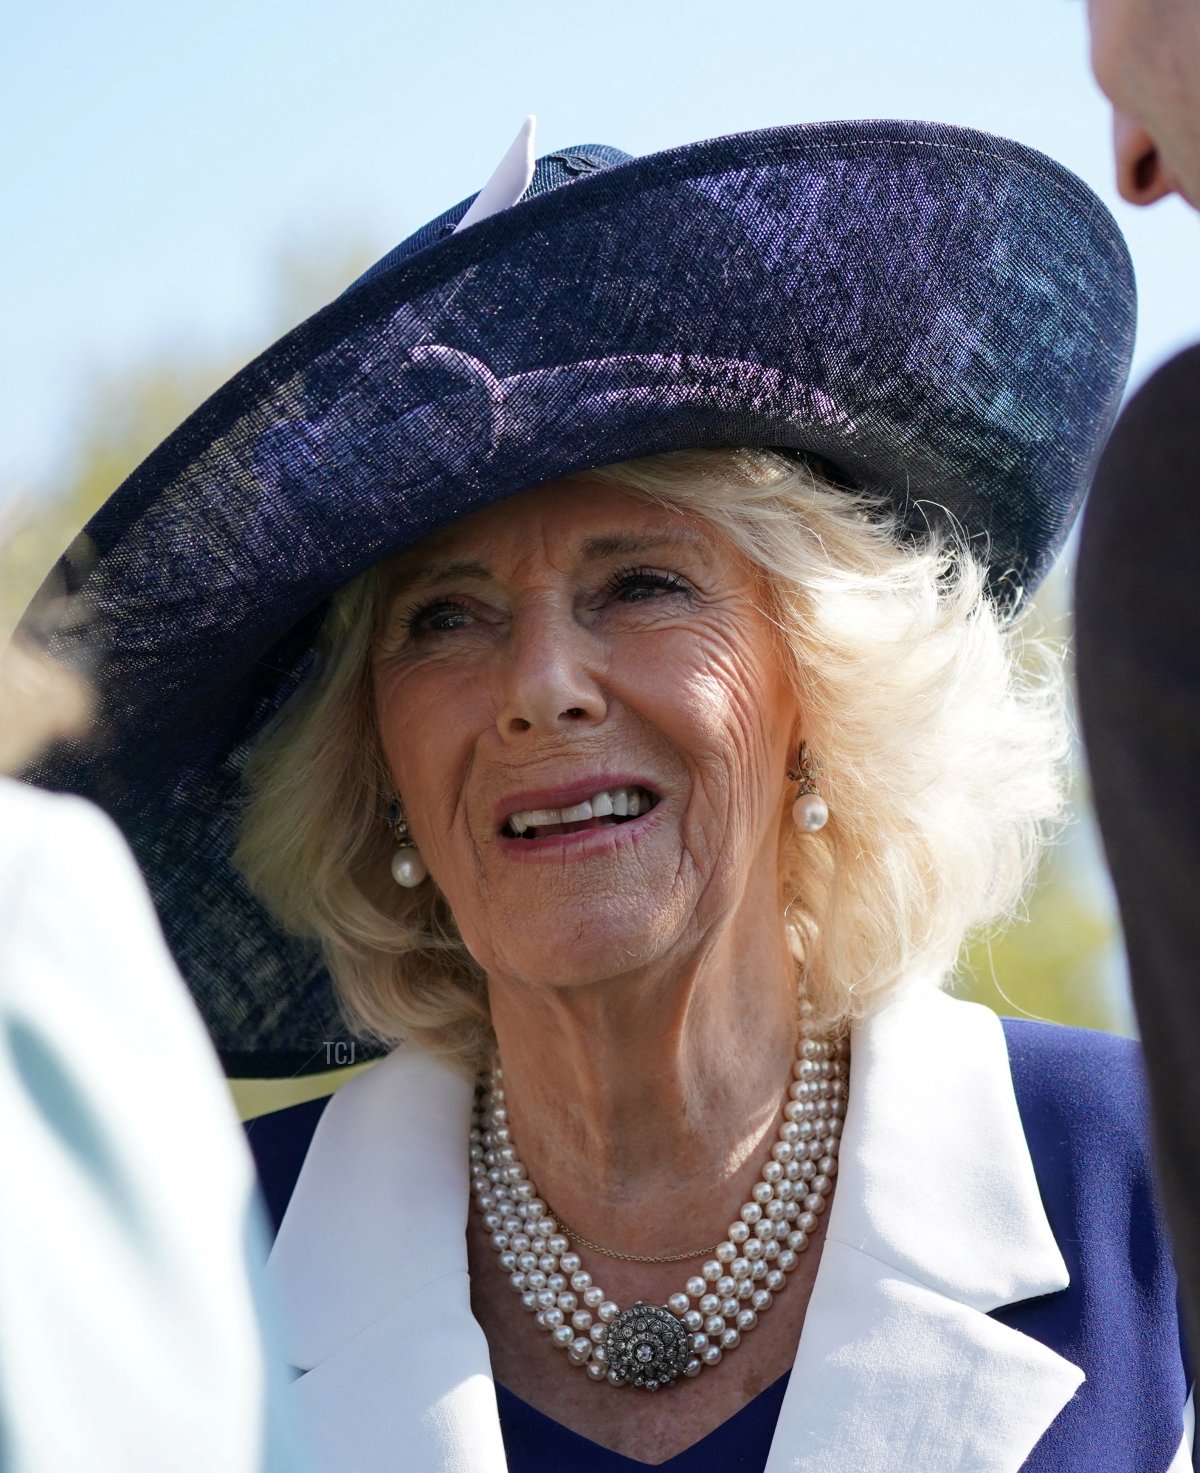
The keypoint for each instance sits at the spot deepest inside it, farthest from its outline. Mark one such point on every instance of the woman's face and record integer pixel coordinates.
(586, 718)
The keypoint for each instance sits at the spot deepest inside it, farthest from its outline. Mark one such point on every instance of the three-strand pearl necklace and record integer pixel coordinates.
(650, 1345)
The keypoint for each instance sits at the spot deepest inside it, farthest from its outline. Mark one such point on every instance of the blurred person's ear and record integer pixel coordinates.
(1142, 177)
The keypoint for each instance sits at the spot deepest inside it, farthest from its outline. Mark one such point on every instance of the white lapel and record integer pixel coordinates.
(936, 1220)
(370, 1272)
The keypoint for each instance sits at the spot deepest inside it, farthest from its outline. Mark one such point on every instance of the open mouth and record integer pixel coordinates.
(610, 806)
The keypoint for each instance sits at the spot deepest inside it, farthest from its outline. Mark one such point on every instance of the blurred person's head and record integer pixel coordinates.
(1146, 57)
(41, 701)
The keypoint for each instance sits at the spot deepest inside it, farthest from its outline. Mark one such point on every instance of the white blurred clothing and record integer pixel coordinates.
(130, 1222)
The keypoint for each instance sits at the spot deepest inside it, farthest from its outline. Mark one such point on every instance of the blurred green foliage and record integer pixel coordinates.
(129, 410)
(1055, 962)
(1061, 960)
(127, 415)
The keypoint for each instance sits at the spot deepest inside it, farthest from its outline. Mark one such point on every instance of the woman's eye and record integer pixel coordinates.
(636, 585)
(439, 617)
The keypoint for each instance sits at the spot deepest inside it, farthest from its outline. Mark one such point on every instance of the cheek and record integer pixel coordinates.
(423, 720)
(393, 728)
(734, 715)
(1115, 48)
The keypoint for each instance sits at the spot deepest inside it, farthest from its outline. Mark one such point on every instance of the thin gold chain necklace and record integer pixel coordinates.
(629, 1257)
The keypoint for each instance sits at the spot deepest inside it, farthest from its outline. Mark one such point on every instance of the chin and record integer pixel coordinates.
(571, 955)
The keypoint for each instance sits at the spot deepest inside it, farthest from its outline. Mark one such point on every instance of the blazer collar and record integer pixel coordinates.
(370, 1273)
(935, 1221)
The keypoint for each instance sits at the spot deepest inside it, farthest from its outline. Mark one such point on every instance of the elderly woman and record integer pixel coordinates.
(638, 797)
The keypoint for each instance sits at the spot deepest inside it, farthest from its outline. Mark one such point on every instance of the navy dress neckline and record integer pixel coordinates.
(535, 1443)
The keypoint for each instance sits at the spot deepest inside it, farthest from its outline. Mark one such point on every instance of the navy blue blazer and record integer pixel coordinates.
(1082, 1106)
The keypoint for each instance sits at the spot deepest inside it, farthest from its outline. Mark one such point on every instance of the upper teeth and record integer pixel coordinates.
(614, 802)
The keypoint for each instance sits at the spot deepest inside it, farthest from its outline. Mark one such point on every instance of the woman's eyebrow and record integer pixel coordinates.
(438, 572)
(593, 549)
(627, 544)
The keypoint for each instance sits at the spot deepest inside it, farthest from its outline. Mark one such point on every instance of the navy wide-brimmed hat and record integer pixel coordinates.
(939, 317)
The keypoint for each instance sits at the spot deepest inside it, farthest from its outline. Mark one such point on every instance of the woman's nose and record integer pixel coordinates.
(1142, 177)
(550, 680)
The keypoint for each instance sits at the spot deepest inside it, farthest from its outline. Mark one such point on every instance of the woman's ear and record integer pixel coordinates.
(796, 741)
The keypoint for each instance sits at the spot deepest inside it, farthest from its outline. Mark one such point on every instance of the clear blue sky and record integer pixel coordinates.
(158, 157)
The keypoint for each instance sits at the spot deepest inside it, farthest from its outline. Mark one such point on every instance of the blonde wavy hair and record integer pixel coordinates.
(940, 731)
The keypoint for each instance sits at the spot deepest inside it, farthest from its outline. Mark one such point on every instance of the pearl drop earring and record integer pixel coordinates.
(810, 812)
(408, 868)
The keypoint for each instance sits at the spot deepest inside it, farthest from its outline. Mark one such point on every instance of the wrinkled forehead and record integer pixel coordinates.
(579, 519)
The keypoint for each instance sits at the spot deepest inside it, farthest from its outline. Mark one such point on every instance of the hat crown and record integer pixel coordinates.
(553, 171)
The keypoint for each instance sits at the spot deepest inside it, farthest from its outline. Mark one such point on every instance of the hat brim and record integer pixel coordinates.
(943, 316)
